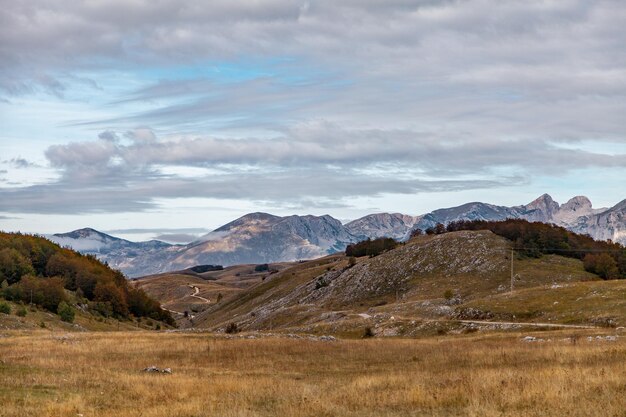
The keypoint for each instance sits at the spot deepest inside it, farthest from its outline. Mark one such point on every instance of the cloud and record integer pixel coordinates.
(184, 230)
(309, 104)
(18, 162)
(324, 144)
(176, 237)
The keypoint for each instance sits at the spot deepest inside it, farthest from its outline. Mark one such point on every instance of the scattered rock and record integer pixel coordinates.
(153, 369)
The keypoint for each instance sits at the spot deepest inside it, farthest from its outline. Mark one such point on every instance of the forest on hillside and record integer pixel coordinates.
(36, 270)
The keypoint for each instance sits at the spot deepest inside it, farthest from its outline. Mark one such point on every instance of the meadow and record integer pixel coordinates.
(52, 373)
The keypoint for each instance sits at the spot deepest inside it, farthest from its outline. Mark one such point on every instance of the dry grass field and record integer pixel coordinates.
(99, 374)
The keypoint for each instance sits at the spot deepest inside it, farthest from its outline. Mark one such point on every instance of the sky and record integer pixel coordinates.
(162, 118)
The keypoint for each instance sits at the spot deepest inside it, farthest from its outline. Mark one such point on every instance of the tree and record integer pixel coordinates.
(108, 292)
(14, 265)
(66, 312)
(604, 265)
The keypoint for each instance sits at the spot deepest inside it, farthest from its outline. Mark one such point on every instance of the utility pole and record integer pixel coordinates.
(512, 254)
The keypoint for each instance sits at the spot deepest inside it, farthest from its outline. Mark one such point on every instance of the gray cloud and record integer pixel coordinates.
(18, 162)
(344, 99)
(289, 189)
(324, 144)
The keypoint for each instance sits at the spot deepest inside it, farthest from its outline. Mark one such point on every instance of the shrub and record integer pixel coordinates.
(261, 268)
(21, 311)
(5, 308)
(448, 294)
(231, 328)
(321, 283)
(368, 332)
(66, 312)
(351, 261)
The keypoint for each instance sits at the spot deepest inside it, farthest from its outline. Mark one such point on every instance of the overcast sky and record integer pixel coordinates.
(154, 117)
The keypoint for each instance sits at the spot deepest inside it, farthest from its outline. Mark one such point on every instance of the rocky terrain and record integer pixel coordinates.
(263, 238)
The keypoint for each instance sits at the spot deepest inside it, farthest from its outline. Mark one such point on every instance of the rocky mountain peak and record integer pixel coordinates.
(578, 203)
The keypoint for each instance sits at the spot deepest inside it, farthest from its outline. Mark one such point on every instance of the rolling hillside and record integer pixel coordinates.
(451, 282)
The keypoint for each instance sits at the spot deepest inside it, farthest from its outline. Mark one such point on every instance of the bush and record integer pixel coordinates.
(368, 332)
(448, 294)
(5, 308)
(231, 328)
(21, 311)
(261, 268)
(66, 312)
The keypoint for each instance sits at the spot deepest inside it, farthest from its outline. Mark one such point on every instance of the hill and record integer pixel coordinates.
(36, 271)
(433, 283)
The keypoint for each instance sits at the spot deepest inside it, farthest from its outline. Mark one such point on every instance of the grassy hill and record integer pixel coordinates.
(433, 283)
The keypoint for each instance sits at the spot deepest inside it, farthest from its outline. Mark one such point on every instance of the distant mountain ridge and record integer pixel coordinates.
(264, 238)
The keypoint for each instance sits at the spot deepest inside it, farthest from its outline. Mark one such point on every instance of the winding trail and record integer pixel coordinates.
(195, 294)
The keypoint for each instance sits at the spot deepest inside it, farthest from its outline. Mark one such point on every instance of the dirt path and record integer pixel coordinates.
(513, 323)
(195, 294)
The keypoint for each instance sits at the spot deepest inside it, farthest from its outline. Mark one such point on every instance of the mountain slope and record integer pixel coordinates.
(262, 238)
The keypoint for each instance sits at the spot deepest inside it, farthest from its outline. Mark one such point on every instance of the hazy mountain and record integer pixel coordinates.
(264, 238)
(132, 258)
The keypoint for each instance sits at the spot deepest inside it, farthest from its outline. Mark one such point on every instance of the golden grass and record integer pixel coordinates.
(98, 374)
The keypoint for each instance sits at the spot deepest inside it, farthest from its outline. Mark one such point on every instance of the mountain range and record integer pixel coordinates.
(263, 238)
